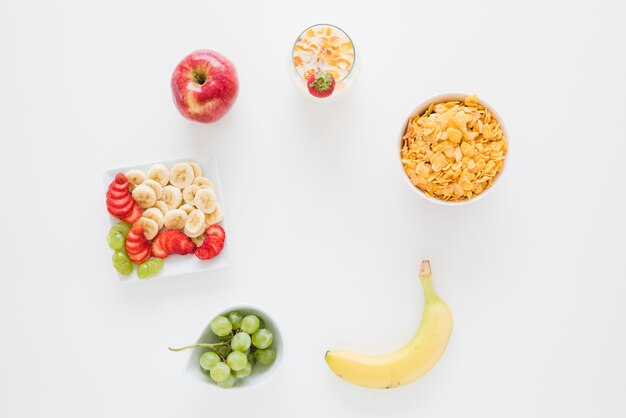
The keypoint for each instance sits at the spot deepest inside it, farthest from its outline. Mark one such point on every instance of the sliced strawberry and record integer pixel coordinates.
(216, 231)
(140, 257)
(117, 194)
(156, 249)
(180, 244)
(203, 253)
(134, 245)
(125, 203)
(166, 240)
(187, 247)
(134, 215)
(121, 212)
(211, 247)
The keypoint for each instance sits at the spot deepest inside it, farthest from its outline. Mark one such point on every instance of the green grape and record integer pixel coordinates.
(235, 319)
(122, 263)
(120, 257)
(124, 269)
(149, 268)
(220, 371)
(250, 324)
(220, 326)
(237, 360)
(262, 338)
(228, 383)
(251, 358)
(245, 372)
(240, 342)
(208, 360)
(121, 227)
(266, 356)
(116, 240)
(223, 350)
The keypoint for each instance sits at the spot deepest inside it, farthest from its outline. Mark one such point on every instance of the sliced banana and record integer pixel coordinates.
(198, 240)
(160, 174)
(187, 208)
(155, 214)
(175, 219)
(203, 181)
(181, 175)
(162, 206)
(156, 186)
(189, 193)
(205, 200)
(135, 177)
(172, 196)
(150, 227)
(194, 226)
(214, 217)
(144, 196)
(197, 170)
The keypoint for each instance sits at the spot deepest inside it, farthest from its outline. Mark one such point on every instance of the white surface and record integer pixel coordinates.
(325, 233)
(178, 265)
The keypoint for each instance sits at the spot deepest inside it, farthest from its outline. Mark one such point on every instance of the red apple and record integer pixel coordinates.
(204, 86)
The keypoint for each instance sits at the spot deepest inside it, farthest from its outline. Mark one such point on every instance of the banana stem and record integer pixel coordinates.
(198, 345)
(427, 285)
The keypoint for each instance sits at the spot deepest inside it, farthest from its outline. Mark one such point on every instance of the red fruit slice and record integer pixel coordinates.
(134, 215)
(117, 194)
(121, 212)
(188, 247)
(133, 245)
(119, 203)
(140, 257)
(217, 232)
(156, 248)
(166, 240)
(203, 253)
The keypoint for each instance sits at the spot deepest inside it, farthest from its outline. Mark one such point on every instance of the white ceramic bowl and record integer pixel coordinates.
(421, 109)
(260, 373)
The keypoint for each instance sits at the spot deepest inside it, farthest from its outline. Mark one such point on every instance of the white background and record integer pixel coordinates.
(323, 230)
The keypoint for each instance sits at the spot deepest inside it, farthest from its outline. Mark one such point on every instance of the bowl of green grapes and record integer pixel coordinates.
(239, 348)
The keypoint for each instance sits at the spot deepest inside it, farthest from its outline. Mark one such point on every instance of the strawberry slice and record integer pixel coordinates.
(140, 257)
(125, 203)
(166, 240)
(211, 247)
(137, 246)
(117, 194)
(216, 231)
(156, 249)
(121, 212)
(134, 215)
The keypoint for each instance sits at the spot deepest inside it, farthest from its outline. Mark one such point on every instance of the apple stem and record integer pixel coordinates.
(200, 78)
(198, 345)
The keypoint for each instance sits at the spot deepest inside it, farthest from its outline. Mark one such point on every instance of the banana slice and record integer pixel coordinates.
(203, 181)
(197, 170)
(155, 214)
(214, 217)
(189, 193)
(144, 196)
(135, 177)
(162, 206)
(181, 175)
(194, 227)
(175, 219)
(205, 200)
(187, 208)
(156, 186)
(172, 197)
(150, 227)
(160, 174)
(198, 240)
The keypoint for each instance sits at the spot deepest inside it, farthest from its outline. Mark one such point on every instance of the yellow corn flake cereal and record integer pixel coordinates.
(454, 150)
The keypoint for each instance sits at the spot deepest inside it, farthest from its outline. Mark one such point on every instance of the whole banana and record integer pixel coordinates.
(408, 363)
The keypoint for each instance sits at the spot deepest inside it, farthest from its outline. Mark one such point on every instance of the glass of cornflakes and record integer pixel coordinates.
(324, 47)
(453, 149)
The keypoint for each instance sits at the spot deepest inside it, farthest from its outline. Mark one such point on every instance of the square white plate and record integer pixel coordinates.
(177, 265)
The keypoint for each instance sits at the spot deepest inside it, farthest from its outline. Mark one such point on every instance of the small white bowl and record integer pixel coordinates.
(421, 109)
(260, 373)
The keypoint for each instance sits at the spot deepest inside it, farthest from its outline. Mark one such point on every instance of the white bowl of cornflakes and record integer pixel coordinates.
(453, 148)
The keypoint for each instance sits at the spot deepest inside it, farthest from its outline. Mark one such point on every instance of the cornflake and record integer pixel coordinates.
(454, 150)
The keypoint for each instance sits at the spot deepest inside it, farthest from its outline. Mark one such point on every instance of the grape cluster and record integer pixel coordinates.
(117, 242)
(243, 342)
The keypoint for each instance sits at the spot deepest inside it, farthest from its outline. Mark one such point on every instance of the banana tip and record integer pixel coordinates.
(425, 268)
